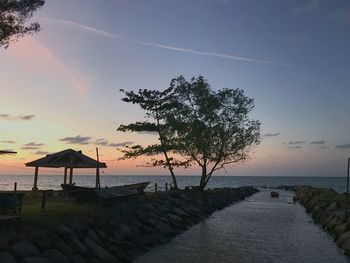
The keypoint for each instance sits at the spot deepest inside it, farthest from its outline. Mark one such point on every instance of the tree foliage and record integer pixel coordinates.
(156, 105)
(13, 17)
(213, 128)
(196, 124)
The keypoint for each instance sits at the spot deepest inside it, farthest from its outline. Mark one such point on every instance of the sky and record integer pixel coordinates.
(60, 88)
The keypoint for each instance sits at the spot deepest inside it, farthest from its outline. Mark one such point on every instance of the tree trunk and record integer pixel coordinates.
(171, 171)
(170, 167)
(203, 177)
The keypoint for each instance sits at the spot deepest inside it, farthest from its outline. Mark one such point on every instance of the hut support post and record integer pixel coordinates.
(71, 175)
(65, 175)
(35, 186)
(97, 185)
(347, 192)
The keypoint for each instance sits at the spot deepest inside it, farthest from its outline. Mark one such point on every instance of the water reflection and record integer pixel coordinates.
(259, 229)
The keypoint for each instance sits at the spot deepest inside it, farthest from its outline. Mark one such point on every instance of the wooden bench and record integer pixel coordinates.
(10, 205)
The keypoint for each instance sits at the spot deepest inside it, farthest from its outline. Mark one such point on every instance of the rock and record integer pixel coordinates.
(163, 209)
(55, 256)
(35, 260)
(345, 236)
(65, 231)
(150, 239)
(6, 237)
(77, 247)
(346, 246)
(24, 249)
(63, 247)
(174, 218)
(180, 212)
(137, 223)
(152, 221)
(118, 236)
(100, 252)
(102, 234)
(340, 229)
(121, 255)
(332, 206)
(92, 235)
(164, 229)
(78, 259)
(81, 226)
(6, 257)
(124, 229)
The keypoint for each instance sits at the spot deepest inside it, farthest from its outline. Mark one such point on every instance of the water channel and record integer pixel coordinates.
(258, 229)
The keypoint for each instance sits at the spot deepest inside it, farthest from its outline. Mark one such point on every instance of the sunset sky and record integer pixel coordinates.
(60, 88)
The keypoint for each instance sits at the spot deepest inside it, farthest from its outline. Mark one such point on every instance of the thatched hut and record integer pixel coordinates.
(68, 159)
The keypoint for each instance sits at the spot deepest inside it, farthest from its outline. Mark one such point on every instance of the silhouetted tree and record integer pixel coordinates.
(195, 124)
(13, 17)
(212, 128)
(156, 104)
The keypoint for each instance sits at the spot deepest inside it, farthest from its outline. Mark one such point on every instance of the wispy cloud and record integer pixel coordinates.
(308, 6)
(341, 15)
(101, 141)
(104, 142)
(9, 142)
(296, 142)
(120, 144)
(32, 146)
(271, 134)
(5, 116)
(343, 146)
(104, 33)
(294, 147)
(77, 140)
(318, 142)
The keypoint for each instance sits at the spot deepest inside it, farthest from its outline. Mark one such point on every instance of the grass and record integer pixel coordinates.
(58, 210)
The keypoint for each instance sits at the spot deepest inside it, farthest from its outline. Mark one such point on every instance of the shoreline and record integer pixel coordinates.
(118, 233)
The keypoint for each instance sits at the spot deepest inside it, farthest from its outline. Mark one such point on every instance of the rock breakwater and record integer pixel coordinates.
(119, 234)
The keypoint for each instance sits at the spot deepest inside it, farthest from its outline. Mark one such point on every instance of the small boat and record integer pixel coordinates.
(275, 194)
(92, 193)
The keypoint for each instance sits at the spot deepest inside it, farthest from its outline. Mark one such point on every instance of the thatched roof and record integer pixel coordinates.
(67, 158)
(3, 152)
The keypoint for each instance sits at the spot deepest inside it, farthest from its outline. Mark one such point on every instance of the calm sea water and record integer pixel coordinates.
(25, 182)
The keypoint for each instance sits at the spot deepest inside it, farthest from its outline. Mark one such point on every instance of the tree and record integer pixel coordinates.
(212, 128)
(195, 125)
(156, 104)
(13, 17)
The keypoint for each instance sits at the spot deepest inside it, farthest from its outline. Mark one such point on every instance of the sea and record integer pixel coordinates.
(46, 182)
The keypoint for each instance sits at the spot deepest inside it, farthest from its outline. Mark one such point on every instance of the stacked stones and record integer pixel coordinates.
(327, 208)
(126, 231)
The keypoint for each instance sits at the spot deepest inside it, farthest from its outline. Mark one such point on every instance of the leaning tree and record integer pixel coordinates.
(213, 128)
(14, 15)
(157, 105)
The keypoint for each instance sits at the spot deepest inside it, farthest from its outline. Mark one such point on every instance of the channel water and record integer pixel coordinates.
(258, 229)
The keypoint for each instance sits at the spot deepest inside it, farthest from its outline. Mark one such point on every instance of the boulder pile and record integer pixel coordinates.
(119, 234)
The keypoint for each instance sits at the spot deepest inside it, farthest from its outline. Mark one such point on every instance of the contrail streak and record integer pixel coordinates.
(110, 35)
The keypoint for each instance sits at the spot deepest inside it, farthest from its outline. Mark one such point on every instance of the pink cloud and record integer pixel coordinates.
(37, 57)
